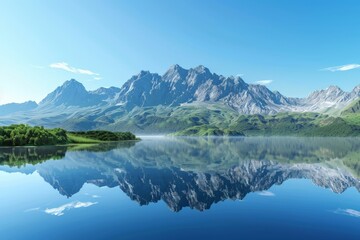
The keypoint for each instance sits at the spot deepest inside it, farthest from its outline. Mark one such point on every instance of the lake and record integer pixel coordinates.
(183, 188)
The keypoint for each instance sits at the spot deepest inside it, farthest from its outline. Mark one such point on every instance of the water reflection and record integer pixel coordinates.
(192, 172)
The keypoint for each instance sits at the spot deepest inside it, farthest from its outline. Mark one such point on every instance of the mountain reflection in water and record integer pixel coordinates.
(192, 172)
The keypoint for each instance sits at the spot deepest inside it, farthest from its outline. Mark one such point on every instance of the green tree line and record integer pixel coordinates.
(106, 135)
(21, 135)
(25, 135)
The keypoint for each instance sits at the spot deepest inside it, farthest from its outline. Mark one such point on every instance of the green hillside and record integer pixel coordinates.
(208, 119)
(351, 114)
(284, 124)
(352, 108)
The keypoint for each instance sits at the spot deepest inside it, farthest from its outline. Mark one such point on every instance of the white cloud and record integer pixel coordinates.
(240, 75)
(66, 67)
(32, 209)
(266, 194)
(97, 78)
(63, 66)
(59, 211)
(342, 68)
(349, 212)
(264, 82)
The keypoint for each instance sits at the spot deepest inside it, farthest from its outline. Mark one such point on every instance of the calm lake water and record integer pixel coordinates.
(183, 188)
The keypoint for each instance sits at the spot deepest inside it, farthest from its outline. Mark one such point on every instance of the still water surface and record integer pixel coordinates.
(183, 188)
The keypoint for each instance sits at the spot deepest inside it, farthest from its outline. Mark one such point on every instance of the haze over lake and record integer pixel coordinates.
(176, 188)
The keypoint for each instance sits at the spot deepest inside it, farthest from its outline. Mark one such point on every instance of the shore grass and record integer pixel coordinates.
(72, 138)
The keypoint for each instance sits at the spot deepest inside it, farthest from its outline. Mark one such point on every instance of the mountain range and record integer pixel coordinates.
(72, 107)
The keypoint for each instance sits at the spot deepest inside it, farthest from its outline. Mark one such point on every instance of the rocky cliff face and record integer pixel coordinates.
(178, 86)
(73, 93)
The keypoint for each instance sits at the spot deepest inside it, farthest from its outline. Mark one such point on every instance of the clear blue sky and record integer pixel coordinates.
(288, 42)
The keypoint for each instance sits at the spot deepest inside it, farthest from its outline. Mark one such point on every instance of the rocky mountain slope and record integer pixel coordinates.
(178, 86)
(73, 107)
(73, 93)
(331, 99)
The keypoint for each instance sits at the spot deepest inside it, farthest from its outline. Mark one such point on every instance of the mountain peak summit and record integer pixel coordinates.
(202, 69)
(71, 93)
(333, 88)
(72, 83)
(142, 73)
(176, 67)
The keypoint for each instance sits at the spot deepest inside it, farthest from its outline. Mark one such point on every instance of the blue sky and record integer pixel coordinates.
(292, 45)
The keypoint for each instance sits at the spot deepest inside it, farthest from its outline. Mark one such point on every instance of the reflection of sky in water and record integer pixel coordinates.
(31, 208)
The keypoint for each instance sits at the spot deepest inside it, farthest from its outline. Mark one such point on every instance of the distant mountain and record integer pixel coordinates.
(71, 93)
(182, 86)
(11, 108)
(178, 86)
(332, 98)
(149, 100)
